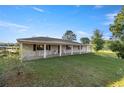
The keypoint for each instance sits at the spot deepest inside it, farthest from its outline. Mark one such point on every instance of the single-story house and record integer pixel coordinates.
(43, 47)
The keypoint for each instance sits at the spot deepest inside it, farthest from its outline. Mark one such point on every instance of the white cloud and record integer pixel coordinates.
(8, 24)
(107, 35)
(13, 26)
(83, 34)
(110, 18)
(37, 9)
(98, 6)
(107, 23)
(77, 6)
(22, 30)
(89, 35)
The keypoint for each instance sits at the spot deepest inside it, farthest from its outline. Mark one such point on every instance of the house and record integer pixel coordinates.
(43, 47)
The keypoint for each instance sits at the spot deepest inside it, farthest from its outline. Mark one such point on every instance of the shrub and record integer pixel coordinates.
(118, 48)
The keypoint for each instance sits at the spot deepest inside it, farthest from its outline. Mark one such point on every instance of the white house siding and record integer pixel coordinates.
(53, 51)
(76, 49)
(66, 51)
(28, 53)
(89, 49)
(84, 49)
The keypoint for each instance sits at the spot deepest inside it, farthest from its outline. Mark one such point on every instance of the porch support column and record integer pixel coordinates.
(21, 52)
(60, 49)
(72, 50)
(44, 51)
(80, 49)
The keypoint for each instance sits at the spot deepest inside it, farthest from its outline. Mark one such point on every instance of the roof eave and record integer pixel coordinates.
(47, 42)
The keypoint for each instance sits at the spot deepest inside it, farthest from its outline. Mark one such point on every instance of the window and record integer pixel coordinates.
(48, 47)
(34, 47)
(40, 47)
(78, 47)
(68, 47)
(81, 47)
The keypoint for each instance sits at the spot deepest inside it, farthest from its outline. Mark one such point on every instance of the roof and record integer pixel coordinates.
(46, 40)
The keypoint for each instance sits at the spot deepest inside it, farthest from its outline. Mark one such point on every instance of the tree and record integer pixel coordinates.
(107, 43)
(117, 29)
(97, 41)
(85, 40)
(69, 35)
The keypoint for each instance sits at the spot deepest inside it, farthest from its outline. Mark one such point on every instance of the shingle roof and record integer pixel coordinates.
(46, 40)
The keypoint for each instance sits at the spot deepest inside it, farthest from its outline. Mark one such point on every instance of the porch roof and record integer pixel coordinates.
(47, 40)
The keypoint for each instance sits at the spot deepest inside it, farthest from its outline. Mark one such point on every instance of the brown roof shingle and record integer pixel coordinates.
(46, 40)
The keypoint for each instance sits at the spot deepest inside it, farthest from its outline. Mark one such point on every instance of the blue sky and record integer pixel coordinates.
(53, 21)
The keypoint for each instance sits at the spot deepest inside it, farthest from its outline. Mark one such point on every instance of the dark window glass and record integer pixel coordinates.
(40, 47)
(34, 47)
(81, 47)
(48, 47)
(68, 47)
(78, 47)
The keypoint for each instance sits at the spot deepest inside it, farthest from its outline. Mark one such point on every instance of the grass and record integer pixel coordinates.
(99, 69)
(106, 53)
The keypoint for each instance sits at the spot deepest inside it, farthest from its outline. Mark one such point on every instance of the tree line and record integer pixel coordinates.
(96, 39)
(116, 41)
(7, 44)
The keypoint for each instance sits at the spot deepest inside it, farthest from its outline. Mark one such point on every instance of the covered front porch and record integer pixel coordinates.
(43, 50)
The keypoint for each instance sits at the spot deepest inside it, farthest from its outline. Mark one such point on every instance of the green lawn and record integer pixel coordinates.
(100, 69)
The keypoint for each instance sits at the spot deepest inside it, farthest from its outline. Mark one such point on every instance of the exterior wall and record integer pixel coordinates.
(29, 54)
(86, 49)
(76, 49)
(53, 51)
(66, 51)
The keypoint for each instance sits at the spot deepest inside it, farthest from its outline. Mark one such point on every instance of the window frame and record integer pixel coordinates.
(48, 47)
(34, 47)
(38, 47)
(68, 47)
